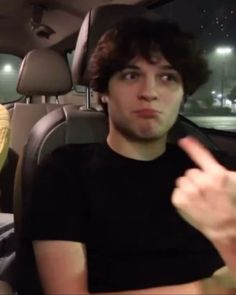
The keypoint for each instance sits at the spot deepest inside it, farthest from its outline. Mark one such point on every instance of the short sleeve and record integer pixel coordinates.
(57, 207)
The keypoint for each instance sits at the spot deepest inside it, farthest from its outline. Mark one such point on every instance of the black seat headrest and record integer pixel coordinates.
(95, 24)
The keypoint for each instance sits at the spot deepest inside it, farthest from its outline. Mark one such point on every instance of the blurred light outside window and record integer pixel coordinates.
(9, 70)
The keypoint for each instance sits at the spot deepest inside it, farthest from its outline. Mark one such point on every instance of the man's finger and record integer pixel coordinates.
(199, 154)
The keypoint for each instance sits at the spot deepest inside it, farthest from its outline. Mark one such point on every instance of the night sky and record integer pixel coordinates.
(214, 21)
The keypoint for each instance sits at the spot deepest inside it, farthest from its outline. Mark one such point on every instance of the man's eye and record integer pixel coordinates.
(130, 75)
(170, 77)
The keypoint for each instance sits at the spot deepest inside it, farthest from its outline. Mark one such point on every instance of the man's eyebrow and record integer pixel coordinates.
(163, 67)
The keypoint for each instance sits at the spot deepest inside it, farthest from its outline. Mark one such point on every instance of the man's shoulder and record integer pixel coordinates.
(70, 154)
(225, 159)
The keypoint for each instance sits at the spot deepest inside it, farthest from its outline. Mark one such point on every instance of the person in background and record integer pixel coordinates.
(4, 134)
(136, 214)
(4, 145)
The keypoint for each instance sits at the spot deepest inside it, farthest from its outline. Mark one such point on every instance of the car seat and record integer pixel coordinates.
(43, 72)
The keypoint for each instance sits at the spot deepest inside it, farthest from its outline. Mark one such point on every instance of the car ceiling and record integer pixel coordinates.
(62, 16)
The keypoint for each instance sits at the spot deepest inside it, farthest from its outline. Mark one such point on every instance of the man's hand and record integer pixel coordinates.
(206, 197)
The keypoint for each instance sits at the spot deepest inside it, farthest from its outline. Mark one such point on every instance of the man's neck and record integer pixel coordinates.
(138, 150)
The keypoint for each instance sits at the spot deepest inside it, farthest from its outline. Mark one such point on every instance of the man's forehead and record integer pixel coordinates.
(158, 60)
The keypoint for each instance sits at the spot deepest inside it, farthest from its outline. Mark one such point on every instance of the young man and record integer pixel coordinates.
(101, 217)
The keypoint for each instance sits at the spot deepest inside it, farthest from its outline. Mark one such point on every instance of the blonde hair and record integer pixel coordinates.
(4, 134)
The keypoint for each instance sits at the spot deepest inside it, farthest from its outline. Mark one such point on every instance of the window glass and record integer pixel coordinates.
(9, 70)
(214, 22)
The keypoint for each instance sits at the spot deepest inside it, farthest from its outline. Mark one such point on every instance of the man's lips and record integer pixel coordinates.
(147, 113)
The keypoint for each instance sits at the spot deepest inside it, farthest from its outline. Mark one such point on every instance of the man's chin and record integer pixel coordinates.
(144, 137)
(141, 133)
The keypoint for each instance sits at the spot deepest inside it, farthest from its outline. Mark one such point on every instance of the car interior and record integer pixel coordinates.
(51, 103)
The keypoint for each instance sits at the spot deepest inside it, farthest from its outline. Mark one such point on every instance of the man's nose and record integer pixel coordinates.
(148, 90)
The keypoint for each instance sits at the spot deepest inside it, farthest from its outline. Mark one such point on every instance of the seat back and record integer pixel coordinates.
(43, 72)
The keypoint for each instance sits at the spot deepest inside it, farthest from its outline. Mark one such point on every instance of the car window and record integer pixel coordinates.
(9, 70)
(214, 22)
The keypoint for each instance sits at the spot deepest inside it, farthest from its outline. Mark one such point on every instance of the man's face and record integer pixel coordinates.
(144, 99)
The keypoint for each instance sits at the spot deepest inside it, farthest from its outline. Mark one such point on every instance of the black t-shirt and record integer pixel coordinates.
(121, 210)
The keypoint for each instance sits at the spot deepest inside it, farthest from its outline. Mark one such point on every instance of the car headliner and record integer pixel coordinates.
(63, 17)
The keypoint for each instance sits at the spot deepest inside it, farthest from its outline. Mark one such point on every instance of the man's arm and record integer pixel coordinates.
(62, 266)
(62, 269)
(206, 198)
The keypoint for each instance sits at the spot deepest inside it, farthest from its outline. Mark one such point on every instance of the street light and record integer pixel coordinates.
(223, 51)
(7, 68)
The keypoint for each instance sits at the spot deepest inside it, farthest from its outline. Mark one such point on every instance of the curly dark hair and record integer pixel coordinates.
(140, 36)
